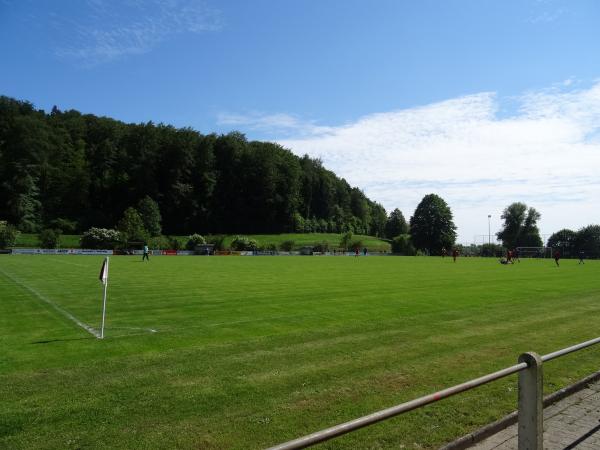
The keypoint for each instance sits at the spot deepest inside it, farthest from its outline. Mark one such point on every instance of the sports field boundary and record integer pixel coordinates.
(53, 305)
(490, 429)
(530, 402)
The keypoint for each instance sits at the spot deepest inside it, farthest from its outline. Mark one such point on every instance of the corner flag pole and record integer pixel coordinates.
(104, 279)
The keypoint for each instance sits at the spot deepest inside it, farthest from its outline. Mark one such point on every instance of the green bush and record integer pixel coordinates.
(195, 240)
(287, 246)
(174, 243)
(49, 238)
(356, 245)
(66, 226)
(270, 247)
(131, 228)
(217, 240)
(346, 240)
(243, 243)
(101, 238)
(402, 245)
(8, 234)
(160, 242)
(321, 247)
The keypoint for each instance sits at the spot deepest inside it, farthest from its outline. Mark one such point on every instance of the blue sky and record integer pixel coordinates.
(482, 102)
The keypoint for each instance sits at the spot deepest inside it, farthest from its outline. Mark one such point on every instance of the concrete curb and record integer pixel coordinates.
(499, 425)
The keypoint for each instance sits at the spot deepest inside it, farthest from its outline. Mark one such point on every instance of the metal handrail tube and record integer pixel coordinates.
(338, 430)
(573, 348)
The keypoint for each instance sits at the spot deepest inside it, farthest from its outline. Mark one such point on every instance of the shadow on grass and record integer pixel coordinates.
(49, 341)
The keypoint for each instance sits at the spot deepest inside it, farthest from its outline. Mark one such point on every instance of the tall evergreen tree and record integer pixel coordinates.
(396, 224)
(150, 214)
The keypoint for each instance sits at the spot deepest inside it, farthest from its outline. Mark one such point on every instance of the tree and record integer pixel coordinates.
(150, 213)
(8, 235)
(530, 234)
(84, 171)
(402, 245)
(49, 238)
(378, 220)
(520, 226)
(396, 224)
(431, 226)
(131, 228)
(346, 240)
(564, 241)
(588, 240)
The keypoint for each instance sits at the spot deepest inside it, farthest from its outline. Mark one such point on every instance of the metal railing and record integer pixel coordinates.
(530, 406)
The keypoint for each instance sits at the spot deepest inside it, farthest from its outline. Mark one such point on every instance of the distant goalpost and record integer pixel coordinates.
(534, 252)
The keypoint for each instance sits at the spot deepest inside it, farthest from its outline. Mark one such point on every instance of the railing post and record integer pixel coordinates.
(531, 410)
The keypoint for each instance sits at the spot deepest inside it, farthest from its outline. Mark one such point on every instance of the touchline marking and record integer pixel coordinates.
(57, 308)
(149, 330)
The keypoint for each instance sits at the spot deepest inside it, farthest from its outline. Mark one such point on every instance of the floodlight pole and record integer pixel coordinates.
(489, 230)
(104, 302)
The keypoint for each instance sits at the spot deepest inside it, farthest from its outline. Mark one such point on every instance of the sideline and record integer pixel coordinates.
(50, 303)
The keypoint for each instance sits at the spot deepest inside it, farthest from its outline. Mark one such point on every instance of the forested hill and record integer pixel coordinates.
(73, 170)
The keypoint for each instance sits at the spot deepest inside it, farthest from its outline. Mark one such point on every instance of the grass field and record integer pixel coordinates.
(252, 351)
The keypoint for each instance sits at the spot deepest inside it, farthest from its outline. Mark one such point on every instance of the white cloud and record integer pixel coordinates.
(547, 155)
(108, 30)
(280, 124)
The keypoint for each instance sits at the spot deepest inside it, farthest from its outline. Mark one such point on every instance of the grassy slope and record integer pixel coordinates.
(372, 243)
(29, 240)
(253, 351)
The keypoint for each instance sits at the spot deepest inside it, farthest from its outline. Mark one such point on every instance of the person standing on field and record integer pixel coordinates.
(146, 253)
(581, 256)
(454, 254)
(557, 258)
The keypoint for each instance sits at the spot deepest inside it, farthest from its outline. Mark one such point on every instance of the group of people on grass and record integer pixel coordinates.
(513, 255)
(454, 253)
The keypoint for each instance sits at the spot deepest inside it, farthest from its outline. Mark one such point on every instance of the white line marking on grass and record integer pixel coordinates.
(57, 308)
(150, 330)
(68, 262)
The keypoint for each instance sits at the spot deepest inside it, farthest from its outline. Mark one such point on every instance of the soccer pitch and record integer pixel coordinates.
(252, 351)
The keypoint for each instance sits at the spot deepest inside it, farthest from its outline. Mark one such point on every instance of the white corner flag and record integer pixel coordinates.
(104, 279)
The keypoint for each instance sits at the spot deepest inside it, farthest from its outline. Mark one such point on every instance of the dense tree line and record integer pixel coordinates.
(570, 243)
(73, 171)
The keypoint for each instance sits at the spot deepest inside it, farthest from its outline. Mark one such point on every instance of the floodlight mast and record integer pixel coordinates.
(489, 230)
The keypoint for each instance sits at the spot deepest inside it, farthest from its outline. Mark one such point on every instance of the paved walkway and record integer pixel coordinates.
(572, 423)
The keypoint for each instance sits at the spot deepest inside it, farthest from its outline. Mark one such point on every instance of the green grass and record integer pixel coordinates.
(30, 240)
(310, 239)
(252, 351)
(372, 243)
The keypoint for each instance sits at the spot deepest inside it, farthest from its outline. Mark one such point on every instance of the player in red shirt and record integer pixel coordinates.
(557, 257)
(454, 254)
